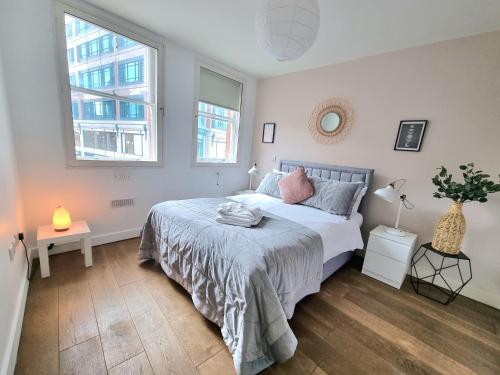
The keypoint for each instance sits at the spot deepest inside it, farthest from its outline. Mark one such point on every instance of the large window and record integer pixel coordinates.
(112, 92)
(217, 118)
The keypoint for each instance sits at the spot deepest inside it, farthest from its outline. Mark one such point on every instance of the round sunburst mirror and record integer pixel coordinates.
(330, 120)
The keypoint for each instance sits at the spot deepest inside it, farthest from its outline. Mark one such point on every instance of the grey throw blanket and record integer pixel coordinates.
(245, 280)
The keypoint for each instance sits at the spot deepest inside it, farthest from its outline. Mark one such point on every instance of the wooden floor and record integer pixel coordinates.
(122, 317)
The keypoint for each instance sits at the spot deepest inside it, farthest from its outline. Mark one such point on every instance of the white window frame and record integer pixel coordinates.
(201, 63)
(118, 25)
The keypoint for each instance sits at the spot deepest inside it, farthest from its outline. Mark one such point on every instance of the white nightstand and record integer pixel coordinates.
(240, 192)
(45, 235)
(388, 256)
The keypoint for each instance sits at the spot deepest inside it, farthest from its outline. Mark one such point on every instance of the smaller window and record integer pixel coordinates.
(69, 30)
(218, 118)
(133, 143)
(132, 111)
(131, 72)
(99, 141)
(98, 78)
(74, 110)
(99, 110)
(83, 27)
(71, 56)
(95, 47)
(123, 43)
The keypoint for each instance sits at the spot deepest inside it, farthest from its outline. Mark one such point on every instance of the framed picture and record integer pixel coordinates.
(268, 132)
(410, 135)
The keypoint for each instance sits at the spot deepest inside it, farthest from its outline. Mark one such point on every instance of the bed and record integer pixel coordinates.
(248, 280)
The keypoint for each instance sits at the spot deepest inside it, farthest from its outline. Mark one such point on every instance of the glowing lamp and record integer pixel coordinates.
(61, 219)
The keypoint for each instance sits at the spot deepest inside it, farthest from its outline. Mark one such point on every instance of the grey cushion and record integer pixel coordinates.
(269, 184)
(336, 197)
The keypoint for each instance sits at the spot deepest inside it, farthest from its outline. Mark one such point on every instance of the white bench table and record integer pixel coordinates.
(45, 235)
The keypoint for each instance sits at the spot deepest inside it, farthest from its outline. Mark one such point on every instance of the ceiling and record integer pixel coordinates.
(224, 29)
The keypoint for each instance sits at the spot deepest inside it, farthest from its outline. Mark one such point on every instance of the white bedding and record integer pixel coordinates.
(338, 233)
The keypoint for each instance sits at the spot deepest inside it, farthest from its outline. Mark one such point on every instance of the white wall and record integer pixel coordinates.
(27, 38)
(454, 84)
(13, 284)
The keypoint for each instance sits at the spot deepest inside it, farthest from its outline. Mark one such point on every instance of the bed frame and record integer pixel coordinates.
(338, 173)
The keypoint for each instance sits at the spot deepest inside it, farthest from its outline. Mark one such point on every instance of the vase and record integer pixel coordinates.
(450, 230)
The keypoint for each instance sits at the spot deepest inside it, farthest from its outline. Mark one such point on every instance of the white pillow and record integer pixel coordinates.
(357, 202)
(269, 185)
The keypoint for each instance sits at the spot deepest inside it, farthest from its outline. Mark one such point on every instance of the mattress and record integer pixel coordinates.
(338, 234)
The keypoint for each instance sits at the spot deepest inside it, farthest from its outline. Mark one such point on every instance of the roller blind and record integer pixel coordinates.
(219, 90)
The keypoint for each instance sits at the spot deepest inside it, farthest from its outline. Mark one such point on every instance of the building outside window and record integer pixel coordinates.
(69, 30)
(94, 47)
(100, 140)
(71, 56)
(132, 111)
(74, 111)
(98, 78)
(112, 119)
(81, 26)
(131, 72)
(122, 42)
(99, 110)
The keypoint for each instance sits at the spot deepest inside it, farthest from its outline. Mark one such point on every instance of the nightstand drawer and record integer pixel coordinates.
(389, 248)
(386, 268)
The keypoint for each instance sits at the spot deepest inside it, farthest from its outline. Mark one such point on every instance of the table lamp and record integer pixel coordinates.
(61, 220)
(252, 172)
(391, 194)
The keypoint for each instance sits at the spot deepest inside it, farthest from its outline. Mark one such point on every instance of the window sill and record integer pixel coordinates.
(112, 164)
(214, 164)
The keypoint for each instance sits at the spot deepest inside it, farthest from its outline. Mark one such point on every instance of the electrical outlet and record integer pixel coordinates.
(122, 176)
(273, 158)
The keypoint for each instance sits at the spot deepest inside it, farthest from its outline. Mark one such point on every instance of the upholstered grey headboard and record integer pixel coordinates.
(331, 172)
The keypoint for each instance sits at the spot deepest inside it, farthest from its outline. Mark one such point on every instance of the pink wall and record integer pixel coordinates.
(454, 84)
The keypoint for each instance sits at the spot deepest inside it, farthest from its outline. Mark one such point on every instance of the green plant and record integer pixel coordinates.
(476, 186)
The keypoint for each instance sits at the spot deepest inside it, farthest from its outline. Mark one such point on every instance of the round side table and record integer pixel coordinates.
(425, 285)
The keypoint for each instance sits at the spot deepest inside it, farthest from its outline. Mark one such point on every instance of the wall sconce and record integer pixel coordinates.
(61, 220)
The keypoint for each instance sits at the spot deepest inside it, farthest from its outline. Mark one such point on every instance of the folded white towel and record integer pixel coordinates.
(238, 210)
(247, 223)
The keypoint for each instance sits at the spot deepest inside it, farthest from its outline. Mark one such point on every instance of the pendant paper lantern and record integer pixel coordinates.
(287, 28)
(61, 219)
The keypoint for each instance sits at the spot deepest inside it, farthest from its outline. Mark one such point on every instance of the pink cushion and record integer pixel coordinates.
(295, 187)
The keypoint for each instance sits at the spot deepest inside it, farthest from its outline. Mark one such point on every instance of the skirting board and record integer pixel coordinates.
(9, 364)
(470, 291)
(96, 241)
(10, 358)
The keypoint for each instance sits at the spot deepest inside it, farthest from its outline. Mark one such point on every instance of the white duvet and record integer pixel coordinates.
(338, 233)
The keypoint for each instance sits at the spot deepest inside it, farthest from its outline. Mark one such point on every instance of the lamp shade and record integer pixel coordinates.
(253, 171)
(286, 29)
(61, 219)
(388, 193)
